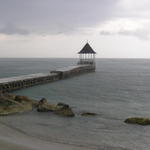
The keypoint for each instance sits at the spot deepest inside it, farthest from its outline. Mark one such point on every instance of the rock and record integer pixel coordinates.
(59, 109)
(88, 114)
(25, 100)
(8, 95)
(10, 105)
(63, 105)
(43, 101)
(64, 110)
(22, 99)
(43, 106)
(138, 120)
(35, 103)
(4, 102)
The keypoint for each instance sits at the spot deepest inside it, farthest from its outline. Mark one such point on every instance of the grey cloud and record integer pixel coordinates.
(134, 9)
(11, 29)
(141, 34)
(53, 16)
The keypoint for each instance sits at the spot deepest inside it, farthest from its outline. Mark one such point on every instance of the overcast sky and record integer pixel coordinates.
(60, 28)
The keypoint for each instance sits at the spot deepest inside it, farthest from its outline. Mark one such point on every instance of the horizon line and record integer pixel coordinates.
(73, 58)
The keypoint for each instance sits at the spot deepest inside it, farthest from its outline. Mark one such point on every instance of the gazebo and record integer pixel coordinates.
(87, 55)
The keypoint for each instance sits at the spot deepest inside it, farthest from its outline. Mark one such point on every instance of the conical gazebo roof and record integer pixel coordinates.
(87, 49)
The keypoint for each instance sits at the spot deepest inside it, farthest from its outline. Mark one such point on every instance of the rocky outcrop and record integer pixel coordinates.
(59, 109)
(10, 104)
(138, 120)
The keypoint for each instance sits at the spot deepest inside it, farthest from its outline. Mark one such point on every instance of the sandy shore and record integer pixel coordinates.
(5, 145)
(12, 139)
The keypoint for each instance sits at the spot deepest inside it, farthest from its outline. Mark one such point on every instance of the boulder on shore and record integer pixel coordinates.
(138, 120)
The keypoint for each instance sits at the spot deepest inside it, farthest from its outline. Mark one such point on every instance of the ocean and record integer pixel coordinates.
(120, 88)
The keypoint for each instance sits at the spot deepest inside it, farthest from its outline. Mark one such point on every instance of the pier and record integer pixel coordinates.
(19, 82)
(86, 64)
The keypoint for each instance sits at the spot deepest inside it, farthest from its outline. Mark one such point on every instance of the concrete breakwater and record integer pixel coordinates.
(19, 82)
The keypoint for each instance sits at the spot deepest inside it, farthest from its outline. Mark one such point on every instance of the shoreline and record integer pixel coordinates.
(15, 140)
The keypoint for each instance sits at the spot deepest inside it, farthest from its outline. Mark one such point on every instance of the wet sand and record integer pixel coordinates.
(11, 139)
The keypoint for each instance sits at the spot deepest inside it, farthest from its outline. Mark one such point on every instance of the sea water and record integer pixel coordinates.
(120, 88)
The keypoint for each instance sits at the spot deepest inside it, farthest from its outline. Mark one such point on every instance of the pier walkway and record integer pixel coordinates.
(19, 82)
